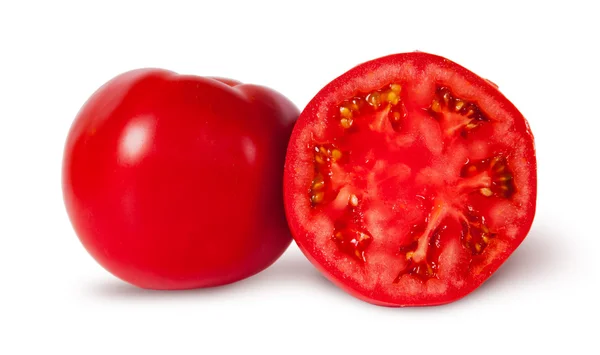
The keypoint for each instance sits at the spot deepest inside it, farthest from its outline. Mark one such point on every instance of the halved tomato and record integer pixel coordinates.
(409, 180)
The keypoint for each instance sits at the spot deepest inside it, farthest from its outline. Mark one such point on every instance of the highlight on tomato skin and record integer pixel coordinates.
(175, 181)
(409, 180)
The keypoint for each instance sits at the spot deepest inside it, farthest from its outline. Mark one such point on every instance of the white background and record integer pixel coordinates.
(55, 299)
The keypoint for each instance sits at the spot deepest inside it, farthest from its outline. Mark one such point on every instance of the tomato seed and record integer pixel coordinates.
(318, 197)
(336, 154)
(486, 191)
(346, 123)
(345, 112)
(353, 200)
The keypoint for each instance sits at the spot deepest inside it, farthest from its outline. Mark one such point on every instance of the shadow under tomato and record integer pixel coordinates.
(291, 270)
(536, 260)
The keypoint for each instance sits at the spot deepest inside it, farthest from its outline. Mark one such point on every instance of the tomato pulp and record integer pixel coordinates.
(174, 181)
(409, 180)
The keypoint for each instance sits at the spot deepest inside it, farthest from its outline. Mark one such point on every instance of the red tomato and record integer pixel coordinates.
(409, 180)
(175, 182)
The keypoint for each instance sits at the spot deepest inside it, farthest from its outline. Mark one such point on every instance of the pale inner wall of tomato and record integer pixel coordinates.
(430, 167)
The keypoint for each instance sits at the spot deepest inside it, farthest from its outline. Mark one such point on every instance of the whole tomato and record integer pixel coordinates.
(174, 181)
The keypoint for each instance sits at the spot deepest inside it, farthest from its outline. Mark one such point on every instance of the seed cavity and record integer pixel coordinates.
(321, 190)
(388, 97)
(476, 235)
(445, 102)
(349, 235)
(428, 267)
(353, 242)
(497, 174)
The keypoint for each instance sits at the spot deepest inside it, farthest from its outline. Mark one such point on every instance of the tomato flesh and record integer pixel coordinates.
(409, 180)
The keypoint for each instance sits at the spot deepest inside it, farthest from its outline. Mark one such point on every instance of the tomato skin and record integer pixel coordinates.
(367, 77)
(175, 182)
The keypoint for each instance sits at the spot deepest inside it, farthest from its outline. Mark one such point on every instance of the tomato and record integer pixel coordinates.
(175, 182)
(409, 180)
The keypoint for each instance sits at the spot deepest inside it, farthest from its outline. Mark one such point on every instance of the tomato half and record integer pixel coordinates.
(409, 180)
(175, 181)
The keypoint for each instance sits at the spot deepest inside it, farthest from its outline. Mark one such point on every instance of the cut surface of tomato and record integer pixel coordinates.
(409, 180)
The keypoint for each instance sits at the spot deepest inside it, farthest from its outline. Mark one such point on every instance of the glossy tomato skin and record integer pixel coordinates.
(174, 181)
(368, 77)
